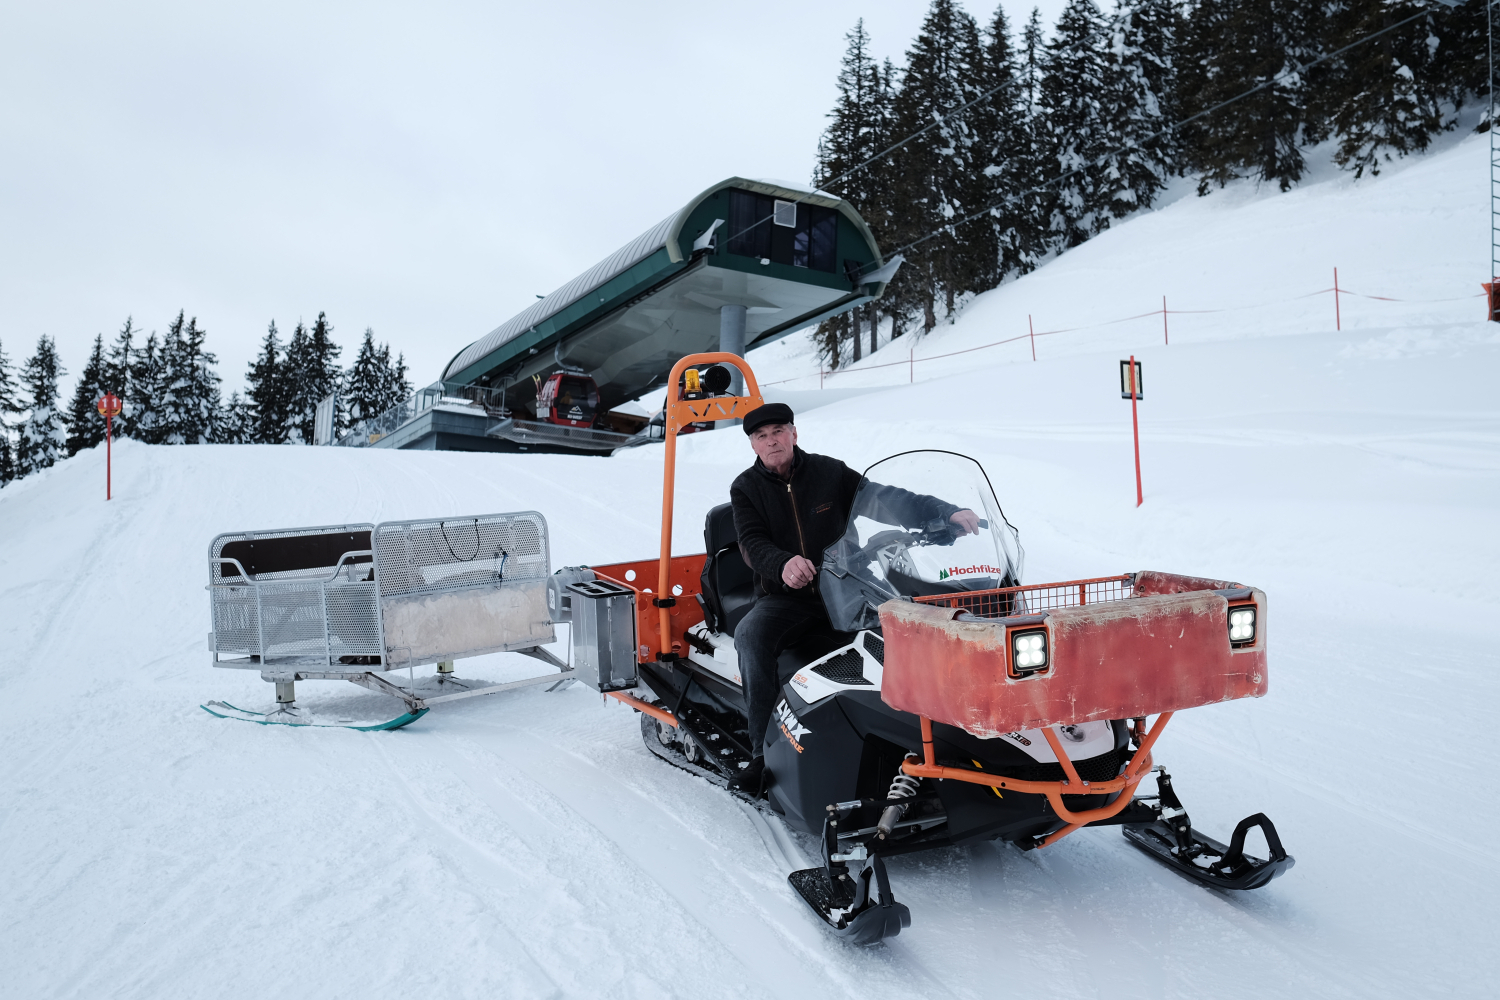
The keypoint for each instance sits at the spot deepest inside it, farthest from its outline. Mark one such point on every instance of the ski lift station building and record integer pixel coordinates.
(742, 264)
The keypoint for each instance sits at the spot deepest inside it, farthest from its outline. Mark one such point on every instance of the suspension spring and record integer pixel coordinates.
(903, 786)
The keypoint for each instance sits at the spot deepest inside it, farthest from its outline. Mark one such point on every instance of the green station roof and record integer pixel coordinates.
(792, 256)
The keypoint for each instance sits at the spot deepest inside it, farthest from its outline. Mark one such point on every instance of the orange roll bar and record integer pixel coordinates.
(1125, 784)
(680, 412)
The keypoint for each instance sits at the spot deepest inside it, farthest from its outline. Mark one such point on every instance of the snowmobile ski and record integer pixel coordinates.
(302, 717)
(1173, 841)
(846, 904)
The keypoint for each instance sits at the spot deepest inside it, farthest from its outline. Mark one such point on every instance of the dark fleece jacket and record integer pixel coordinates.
(778, 518)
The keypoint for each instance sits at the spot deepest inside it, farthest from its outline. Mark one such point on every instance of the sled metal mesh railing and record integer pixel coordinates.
(1029, 600)
(321, 614)
(440, 555)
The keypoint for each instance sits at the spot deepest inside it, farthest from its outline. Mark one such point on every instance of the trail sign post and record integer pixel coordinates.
(109, 408)
(1133, 388)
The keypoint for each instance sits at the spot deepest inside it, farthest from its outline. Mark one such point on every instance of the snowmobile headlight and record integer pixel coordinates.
(1241, 626)
(1029, 651)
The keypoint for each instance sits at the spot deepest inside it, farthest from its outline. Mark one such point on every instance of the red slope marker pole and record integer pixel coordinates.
(1032, 329)
(1338, 323)
(1135, 428)
(108, 405)
(1165, 337)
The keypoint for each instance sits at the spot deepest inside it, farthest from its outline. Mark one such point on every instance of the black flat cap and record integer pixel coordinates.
(767, 413)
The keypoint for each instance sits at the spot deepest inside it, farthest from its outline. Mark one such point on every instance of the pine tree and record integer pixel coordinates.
(1380, 99)
(858, 132)
(117, 377)
(85, 425)
(1231, 46)
(1075, 132)
(1002, 123)
(189, 387)
(299, 401)
(43, 434)
(10, 403)
(1139, 103)
(397, 386)
(311, 364)
(1460, 67)
(266, 392)
(235, 424)
(1030, 169)
(939, 174)
(365, 382)
(145, 378)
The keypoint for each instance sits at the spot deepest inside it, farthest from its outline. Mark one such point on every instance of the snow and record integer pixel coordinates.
(527, 845)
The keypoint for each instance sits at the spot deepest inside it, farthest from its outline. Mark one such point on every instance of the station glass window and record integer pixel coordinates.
(811, 243)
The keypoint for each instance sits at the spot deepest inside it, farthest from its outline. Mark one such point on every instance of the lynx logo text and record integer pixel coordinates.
(791, 728)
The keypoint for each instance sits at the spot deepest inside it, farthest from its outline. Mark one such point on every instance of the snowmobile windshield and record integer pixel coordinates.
(922, 523)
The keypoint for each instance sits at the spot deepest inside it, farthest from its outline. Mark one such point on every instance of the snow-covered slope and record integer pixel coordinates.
(527, 845)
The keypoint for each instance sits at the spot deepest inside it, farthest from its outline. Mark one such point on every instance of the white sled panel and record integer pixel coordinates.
(426, 628)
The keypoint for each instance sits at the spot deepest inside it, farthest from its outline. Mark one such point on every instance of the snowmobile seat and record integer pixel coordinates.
(728, 585)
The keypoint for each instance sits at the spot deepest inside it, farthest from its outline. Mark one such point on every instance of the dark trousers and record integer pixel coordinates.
(771, 626)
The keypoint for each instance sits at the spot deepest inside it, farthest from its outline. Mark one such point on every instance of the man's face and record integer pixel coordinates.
(773, 445)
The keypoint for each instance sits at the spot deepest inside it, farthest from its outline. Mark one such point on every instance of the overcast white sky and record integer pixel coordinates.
(422, 169)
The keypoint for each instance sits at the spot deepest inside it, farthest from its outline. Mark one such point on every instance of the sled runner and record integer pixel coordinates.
(947, 703)
(368, 603)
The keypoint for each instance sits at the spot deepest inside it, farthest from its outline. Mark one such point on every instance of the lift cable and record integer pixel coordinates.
(950, 226)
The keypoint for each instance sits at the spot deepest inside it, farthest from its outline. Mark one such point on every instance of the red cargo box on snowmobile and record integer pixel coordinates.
(1151, 643)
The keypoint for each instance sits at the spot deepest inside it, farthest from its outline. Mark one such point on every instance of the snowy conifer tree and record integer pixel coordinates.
(1142, 82)
(85, 425)
(397, 386)
(1380, 100)
(313, 374)
(856, 133)
(1073, 128)
(144, 389)
(1001, 120)
(10, 404)
(189, 387)
(940, 174)
(43, 435)
(266, 392)
(236, 423)
(372, 385)
(1030, 168)
(1231, 46)
(117, 376)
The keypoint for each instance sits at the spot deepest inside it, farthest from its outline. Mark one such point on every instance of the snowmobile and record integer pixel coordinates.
(945, 703)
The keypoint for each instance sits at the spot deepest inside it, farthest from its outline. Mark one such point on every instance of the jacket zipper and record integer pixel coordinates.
(792, 497)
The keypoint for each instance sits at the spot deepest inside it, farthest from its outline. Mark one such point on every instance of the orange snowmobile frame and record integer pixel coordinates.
(677, 580)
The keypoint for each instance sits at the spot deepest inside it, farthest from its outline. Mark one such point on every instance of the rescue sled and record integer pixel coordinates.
(948, 703)
(368, 603)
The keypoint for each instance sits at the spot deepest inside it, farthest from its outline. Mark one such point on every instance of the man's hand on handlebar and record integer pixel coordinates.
(799, 572)
(966, 520)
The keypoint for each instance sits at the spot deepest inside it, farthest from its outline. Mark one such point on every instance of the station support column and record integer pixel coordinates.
(732, 341)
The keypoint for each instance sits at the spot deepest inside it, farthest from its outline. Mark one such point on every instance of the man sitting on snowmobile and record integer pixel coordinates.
(788, 507)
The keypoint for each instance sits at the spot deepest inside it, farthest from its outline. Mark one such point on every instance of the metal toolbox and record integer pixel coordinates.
(603, 619)
(559, 597)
